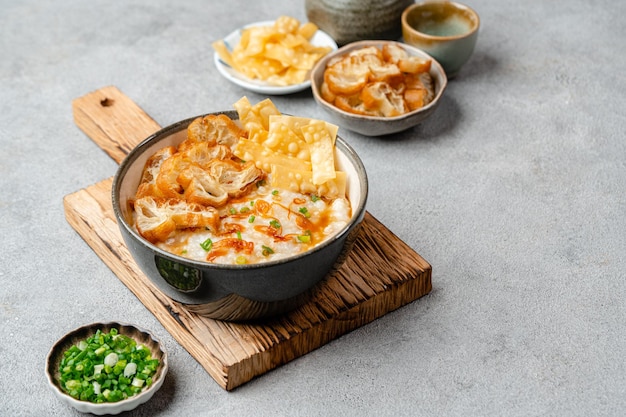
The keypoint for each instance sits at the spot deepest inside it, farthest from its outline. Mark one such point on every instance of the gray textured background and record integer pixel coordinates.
(513, 191)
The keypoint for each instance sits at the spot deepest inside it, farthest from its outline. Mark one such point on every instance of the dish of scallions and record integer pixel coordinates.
(106, 368)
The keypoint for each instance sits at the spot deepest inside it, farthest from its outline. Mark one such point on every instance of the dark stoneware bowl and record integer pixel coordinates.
(235, 292)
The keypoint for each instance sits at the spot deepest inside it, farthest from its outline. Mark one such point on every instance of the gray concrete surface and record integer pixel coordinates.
(513, 191)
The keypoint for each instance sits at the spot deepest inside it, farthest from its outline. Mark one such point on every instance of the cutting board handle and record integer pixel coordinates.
(112, 120)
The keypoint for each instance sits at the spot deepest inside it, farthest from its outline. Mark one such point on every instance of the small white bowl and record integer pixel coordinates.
(55, 355)
(320, 38)
(375, 125)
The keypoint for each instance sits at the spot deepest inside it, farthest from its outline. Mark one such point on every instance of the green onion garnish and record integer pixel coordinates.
(267, 250)
(275, 224)
(304, 238)
(207, 244)
(305, 212)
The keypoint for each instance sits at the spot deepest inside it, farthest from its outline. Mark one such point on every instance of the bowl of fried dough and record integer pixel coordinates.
(378, 88)
(241, 214)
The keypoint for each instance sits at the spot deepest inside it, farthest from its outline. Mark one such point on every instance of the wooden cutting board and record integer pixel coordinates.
(381, 273)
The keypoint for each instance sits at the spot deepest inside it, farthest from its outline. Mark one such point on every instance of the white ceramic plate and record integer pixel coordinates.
(258, 86)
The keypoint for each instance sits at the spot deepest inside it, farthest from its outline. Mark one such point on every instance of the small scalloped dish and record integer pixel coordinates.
(140, 336)
(320, 38)
(369, 125)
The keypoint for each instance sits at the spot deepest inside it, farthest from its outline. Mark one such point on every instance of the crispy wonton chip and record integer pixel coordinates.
(281, 54)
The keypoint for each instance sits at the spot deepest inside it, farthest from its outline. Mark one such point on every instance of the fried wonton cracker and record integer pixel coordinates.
(280, 54)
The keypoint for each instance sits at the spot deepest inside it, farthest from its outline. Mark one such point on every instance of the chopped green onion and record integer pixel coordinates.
(305, 212)
(275, 192)
(238, 235)
(130, 369)
(304, 238)
(138, 382)
(104, 367)
(207, 245)
(241, 260)
(232, 210)
(110, 359)
(244, 210)
(275, 224)
(267, 250)
(314, 198)
(251, 219)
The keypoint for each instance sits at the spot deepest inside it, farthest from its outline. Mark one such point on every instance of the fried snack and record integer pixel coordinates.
(302, 181)
(280, 54)
(182, 187)
(382, 82)
(214, 129)
(158, 218)
(220, 161)
(293, 143)
(255, 119)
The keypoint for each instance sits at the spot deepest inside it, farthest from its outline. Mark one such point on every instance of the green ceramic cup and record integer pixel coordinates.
(445, 30)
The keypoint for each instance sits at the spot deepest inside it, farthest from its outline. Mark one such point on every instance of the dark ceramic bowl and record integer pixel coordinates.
(55, 355)
(235, 292)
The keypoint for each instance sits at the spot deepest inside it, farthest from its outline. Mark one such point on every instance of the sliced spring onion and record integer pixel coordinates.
(304, 238)
(130, 369)
(207, 245)
(305, 212)
(275, 224)
(111, 359)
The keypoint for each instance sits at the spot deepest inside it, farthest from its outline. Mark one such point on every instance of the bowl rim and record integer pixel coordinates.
(459, 6)
(137, 151)
(321, 65)
(109, 407)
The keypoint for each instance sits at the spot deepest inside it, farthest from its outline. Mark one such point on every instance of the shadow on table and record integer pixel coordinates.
(449, 115)
(444, 119)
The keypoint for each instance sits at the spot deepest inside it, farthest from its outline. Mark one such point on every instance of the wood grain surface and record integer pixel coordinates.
(381, 273)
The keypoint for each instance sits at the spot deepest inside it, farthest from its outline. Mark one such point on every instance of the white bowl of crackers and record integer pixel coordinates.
(272, 57)
(378, 88)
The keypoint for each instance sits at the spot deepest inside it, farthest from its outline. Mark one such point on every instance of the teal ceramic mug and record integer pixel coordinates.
(445, 30)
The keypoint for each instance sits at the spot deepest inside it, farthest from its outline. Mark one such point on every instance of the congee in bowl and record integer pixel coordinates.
(240, 214)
